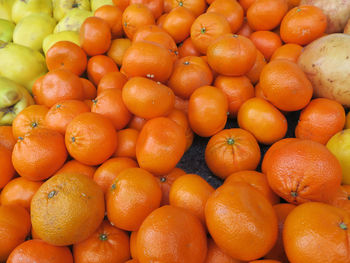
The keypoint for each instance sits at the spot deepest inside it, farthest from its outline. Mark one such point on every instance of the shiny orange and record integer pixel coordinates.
(118, 49)
(266, 42)
(113, 16)
(89, 89)
(197, 7)
(6, 168)
(136, 123)
(166, 182)
(98, 66)
(186, 48)
(288, 51)
(112, 80)
(74, 167)
(127, 139)
(156, 6)
(254, 73)
(216, 255)
(6, 137)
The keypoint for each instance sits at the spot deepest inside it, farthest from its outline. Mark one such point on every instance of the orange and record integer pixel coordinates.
(166, 181)
(117, 49)
(160, 145)
(95, 36)
(146, 98)
(107, 244)
(186, 48)
(285, 85)
(127, 139)
(89, 89)
(302, 171)
(207, 28)
(265, 261)
(232, 55)
(134, 194)
(277, 252)
(110, 104)
(74, 166)
(91, 138)
(237, 89)
(113, 16)
(122, 4)
(258, 92)
(79, 197)
(156, 6)
(28, 119)
(39, 251)
(232, 150)
(98, 66)
(14, 227)
(109, 170)
(290, 52)
(136, 123)
(181, 104)
(207, 110)
(133, 249)
(245, 29)
(160, 20)
(216, 255)
(7, 170)
(232, 11)
(263, 120)
(147, 59)
(246, 4)
(66, 55)
(266, 42)
(255, 72)
(62, 113)
(197, 7)
(144, 31)
(257, 180)
(112, 80)
(173, 235)
(303, 24)
(320, 120)
(19, 191)
(178, 23)
(36, 90)
(266, 14)
(6, 137)
(135, 16)
(321, 229)
(189, 73)
(247, 239)
(39, 154)
(191, 192)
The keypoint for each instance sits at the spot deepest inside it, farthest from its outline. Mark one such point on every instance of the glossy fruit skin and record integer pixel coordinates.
(263, 120)
(288, 51)
(98, 66)
(241, 240)
(112, 80)
(160, 145)
(110, 104)
(117, 49)
(147, 59)
(133, 248)
(39, 154)
(186, 48)
(285, 85)
(320, 120)
(318, 183)
(303, 24)
(127, 139)
(107, 244)
(128, 213)
(95, 36)
(74, 166)
(232, 55)
(322, 227)
(197, 7)
(191, 192)
(232, 150)
(89, 88)
(216, 255)
(207, 111)
(7, 138)
(79, 196)
(266, 41)
(147, 98)
(6, 167)
(15, 225)
(113, 16)
(156, 6)
(255, 72)
(189, 74)
(87, 147)
(166, 181)
(37, 250)
(181, 237)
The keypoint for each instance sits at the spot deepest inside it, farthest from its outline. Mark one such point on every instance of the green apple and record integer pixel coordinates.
(98, 3)
(32, 30)
(339, 145)
(6, 9)
(13, 99)
(21, 64)
(22, 8)
(61, 7)
(6, 30)
(50, 40)
(72, 20)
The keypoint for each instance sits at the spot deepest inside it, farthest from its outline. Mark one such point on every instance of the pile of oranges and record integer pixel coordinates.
(89, 174)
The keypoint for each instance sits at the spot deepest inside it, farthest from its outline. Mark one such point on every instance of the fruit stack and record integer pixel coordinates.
(102, 102)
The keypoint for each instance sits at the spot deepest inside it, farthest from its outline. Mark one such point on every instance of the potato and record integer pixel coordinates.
(326, 62)
(337, 12)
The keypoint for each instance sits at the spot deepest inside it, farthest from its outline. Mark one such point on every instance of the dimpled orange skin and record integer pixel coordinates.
(134, 194)
(67, 209)
(160, 145)
(147, 98)
(191, 192)
(255, 230)
(171, 235)
(207, 110)
(232, 150)
(316, 232)
(303, 171)
(263, 120)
